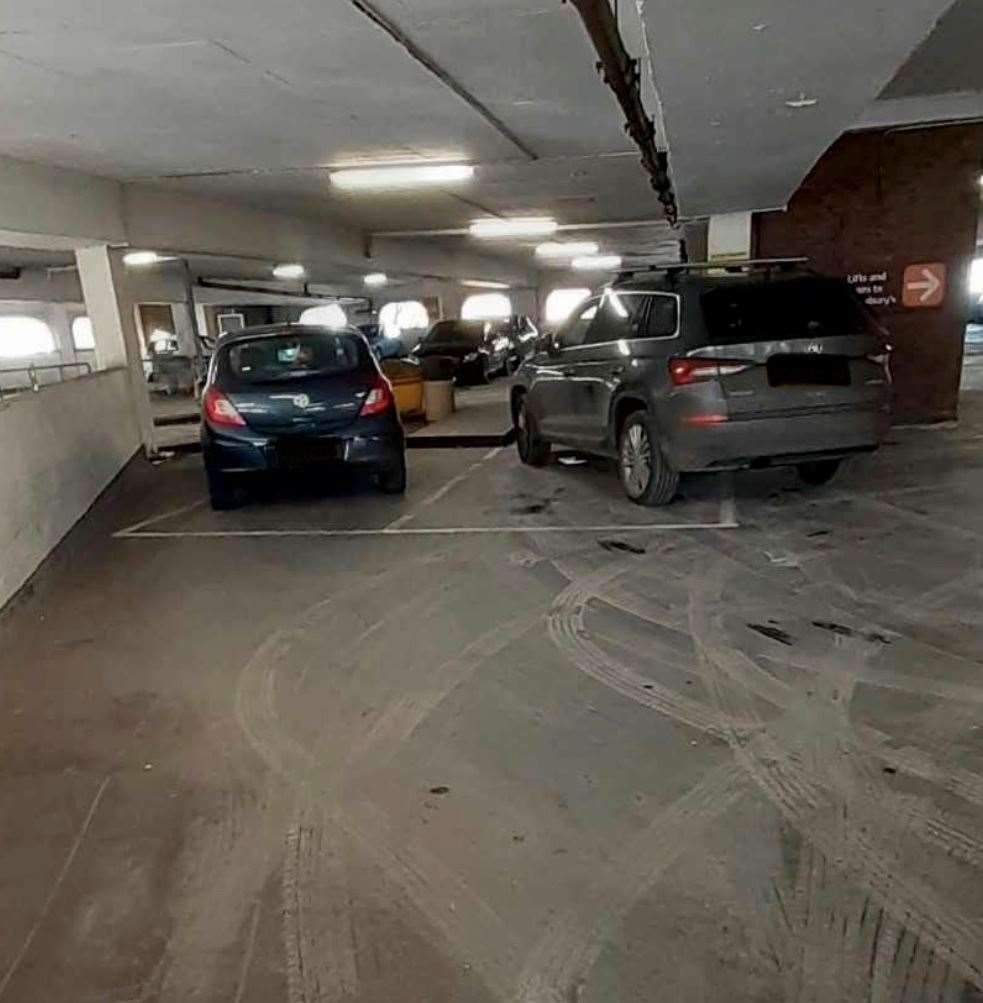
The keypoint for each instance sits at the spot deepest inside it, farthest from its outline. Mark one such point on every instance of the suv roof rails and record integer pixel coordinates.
(732, 267)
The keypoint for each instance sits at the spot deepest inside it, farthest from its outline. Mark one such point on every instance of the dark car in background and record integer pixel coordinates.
(689, 370)
(292, 398)
(478, 351)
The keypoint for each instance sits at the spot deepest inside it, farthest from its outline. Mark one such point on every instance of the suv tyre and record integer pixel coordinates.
(532, 449)
(646, 475)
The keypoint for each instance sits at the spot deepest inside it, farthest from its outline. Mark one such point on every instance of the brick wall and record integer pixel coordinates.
(875, 203)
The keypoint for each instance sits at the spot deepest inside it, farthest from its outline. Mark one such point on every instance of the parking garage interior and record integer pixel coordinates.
(503, 737)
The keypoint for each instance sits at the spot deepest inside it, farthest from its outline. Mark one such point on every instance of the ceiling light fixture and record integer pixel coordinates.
(365, 178)
(517, 226)
(573, 249)
(597, 263)
(292, 271)
(141, 259)
(484, 284)
(376, 279)
(802, 101)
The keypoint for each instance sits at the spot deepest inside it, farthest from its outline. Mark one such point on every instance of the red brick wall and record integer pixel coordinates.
(877, 202)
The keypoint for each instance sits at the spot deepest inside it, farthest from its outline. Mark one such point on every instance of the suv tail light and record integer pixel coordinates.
(219, 410)
(379, 399)
(691, 369)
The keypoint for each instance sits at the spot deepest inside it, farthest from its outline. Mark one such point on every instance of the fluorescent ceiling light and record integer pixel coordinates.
(573, 249)
(140, 259)
(483, 284)
(597, 263)
(407, 176)
(289, 271)
(518, 226)
(376, 279)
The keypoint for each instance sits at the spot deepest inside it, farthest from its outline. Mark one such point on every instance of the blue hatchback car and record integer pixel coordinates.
(294, 398)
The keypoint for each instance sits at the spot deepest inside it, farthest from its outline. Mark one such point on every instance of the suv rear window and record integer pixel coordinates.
(292, 356)
(780, 310)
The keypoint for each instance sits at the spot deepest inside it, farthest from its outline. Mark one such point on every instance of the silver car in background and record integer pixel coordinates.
(699, 369)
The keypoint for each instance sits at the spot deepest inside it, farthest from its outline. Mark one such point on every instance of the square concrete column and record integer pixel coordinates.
(103, 279)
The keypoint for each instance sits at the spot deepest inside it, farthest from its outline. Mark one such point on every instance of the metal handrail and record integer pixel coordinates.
(32, 373)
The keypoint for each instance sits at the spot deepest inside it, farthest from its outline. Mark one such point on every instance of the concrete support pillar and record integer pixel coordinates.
(695, 240)
(729, 237)
(184, 328)
(60, 323)
(114, 329)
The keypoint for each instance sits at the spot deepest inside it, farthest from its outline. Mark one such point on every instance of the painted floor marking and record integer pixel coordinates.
(727, 519)
(443, 490)
(728, 504)
(55, 888)
(160, 518)
(655, 527)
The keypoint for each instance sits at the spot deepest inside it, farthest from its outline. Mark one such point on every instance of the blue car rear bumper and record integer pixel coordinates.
(374, 444)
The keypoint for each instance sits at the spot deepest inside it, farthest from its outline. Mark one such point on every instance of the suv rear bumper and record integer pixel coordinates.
(776, 441)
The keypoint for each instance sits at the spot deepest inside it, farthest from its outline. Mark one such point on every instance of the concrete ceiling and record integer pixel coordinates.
(753, 93)
(949, 61)
(581, 189)
(249, 102)
(184, 87)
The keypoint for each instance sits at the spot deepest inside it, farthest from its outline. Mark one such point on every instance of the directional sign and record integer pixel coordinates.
(923, 285)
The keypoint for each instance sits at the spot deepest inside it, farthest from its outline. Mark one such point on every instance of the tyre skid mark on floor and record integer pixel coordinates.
(320, 950)
(439, 894)
(565, 625)
(397, 722)
(562, 957)
(247, 956)
(815, 800)
(912, 761)
(481, 937)
(802, 798)
(222, 868)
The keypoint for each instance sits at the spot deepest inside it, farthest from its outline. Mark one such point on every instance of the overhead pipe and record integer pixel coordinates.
(622, 74)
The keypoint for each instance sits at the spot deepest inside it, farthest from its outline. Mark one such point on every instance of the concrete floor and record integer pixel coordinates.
(507, 739)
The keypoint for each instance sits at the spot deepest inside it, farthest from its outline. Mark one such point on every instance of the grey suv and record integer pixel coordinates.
(688, 369)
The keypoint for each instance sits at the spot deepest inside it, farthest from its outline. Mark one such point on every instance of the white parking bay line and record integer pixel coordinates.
(159, 518)
(728, 506)
(442, 491)
(206, 534)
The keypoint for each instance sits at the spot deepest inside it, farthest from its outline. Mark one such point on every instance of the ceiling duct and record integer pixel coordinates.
(622, 74)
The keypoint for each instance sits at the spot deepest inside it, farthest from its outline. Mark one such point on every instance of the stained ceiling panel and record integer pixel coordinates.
(753, 94)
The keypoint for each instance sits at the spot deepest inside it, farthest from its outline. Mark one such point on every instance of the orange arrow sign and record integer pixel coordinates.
(923, 285)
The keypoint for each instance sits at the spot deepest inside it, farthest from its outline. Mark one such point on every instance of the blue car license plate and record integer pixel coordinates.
(299, 454)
